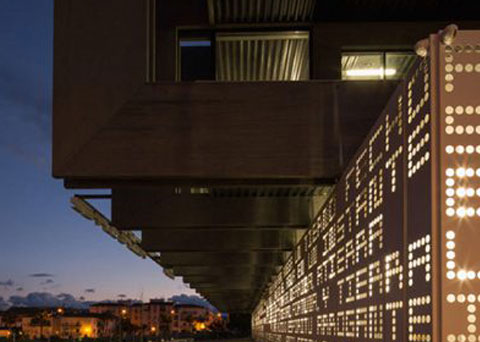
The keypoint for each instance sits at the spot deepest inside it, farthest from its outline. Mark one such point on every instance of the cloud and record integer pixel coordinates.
(19, 289)
(48, 281)
(193, 300)
(3, 304)
(122, 295)
(46, 299)
(41, 275)
(90, 290)
(82, 298)
(7, 283)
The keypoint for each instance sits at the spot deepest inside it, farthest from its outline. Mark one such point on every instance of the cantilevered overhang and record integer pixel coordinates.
(221, 179)
(281, 132)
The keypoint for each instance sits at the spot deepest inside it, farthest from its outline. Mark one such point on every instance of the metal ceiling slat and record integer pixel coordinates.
(227, 60)
(262, 60)
(284, 60)
(276, 54)
(262, 57)
(270, 46)
(242, 11)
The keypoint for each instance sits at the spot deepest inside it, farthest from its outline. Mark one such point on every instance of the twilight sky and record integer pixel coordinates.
(44, 245)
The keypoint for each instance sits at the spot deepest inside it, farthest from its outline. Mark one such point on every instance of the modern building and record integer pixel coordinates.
(255, 145)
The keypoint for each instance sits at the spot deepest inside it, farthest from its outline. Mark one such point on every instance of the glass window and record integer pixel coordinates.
(376, 65)
(196, 60)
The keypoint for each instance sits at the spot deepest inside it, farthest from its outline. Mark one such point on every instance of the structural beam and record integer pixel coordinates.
(207, 240)
(163, 208)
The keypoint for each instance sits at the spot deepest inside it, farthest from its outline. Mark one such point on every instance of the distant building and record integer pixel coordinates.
(154, 317)
(76, 326)
(35, 323)
(189, 318)
(115, 309)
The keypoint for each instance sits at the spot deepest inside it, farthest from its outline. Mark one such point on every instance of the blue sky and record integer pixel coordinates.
(39, 231)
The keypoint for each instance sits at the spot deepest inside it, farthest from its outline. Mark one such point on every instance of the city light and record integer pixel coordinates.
(87, 330)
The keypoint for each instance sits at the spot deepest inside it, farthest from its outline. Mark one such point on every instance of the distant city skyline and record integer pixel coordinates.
(45, 245)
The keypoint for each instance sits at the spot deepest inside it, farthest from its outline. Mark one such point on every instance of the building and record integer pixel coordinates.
(190, 318)
(244, 141)
(75, 326)
(155, 317)
(36, 323)
(115, 309)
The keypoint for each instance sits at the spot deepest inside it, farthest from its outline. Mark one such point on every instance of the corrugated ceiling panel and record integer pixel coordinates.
(256, 11)
(279, 56)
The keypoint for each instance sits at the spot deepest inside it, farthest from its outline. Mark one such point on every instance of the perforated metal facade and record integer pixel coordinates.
(393, 255)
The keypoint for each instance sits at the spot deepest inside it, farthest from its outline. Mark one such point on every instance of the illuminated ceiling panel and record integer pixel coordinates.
(272, 56)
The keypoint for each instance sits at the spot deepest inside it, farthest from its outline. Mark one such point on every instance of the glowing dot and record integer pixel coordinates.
(450, 202)
(450, 192)
(450, 255)
(461, 212)
(471, 275)
(451, 275)
(450, 172)
(461, 192)
(450, 212)
(470, 172)
(470, 192)
(450, 245)
(471, 297)
(470, 149)
(450, 265)
(471, 308)
(450, 182)
(459, 129)
(450, 235)
(450, 149)
(449, 130)
(449, 110)
(451, 298)
(460, 149)
(461, 275)
(460, 172)
(461, 298)
(470, 212)
(469, 129)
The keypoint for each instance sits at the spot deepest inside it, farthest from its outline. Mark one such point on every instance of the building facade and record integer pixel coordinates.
(243, 140)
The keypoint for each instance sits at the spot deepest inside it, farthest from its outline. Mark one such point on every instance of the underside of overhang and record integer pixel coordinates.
(226, 243)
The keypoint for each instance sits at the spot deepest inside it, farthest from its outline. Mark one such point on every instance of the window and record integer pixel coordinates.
(376, 65)
(196, 59)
